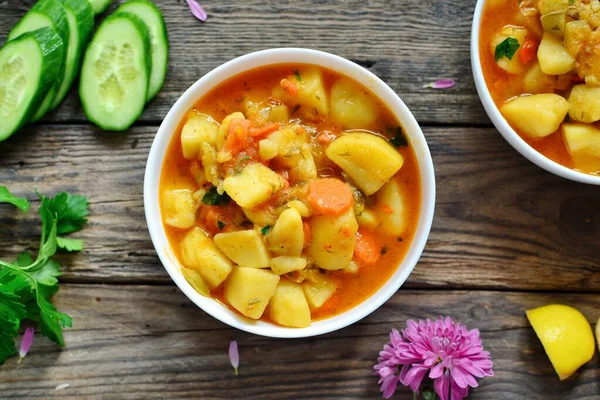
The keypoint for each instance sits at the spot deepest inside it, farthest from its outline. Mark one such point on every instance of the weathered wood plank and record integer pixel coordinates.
(150, 342)
(501, 222)
(406, 43)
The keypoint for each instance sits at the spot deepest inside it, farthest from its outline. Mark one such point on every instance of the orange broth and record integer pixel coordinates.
(352, 289)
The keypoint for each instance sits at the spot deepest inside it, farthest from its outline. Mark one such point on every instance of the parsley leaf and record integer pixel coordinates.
(28, 284)
(297, 73)
(12, 311)
(69, 244)
(213, 198)
(221, 225)
(507, 48)
(265, 229)
(399, 140)
(7, 197)
(70, 210)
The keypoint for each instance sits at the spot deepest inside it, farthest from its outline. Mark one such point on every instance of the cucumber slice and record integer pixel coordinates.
(29, 66)
(159, 41)
(99, 6)
(80, 17)
(48, 13)
(116, 72)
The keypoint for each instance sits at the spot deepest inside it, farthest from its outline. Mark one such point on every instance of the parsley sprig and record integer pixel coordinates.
(28, 284)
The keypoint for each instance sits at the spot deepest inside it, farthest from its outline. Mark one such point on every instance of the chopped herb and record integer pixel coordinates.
(383, 250)
(245, 158)
(296, 108)
(253, 301)
(571, 2)
(213, 198)
(400, 239)
(221, 225)
(297, 73)
(507, 48)
(399, 140)
(265, 229)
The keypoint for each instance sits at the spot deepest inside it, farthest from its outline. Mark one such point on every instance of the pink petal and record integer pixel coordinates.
(442, 386)
(26, 342)
(197, 10)
(234, 356)
(442, 84)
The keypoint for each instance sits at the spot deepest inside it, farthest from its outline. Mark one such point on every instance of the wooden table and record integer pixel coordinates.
(507, 236)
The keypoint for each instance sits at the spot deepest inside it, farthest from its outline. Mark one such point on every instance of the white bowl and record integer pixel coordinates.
(249, 62)
(500, 123)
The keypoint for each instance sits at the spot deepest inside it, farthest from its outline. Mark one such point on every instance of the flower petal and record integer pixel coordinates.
(442, 386)
(26, 342)
(442, 84)
(234, 356)
(388, 386)
(197, 10)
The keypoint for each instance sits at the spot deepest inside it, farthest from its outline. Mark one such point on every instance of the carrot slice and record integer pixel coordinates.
(366, 250)
(307, 234)
(264, 130)
(329, 196)
(289, 86)
(528, 51)
(237, 135)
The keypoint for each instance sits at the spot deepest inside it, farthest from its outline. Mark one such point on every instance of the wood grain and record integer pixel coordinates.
(150, 342)
(406, 43)
(500, 222)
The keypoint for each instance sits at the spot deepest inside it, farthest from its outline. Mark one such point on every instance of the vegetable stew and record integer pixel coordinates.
(290, 194)
(541, 63)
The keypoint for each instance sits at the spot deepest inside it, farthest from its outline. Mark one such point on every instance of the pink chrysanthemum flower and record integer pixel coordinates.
(452, 355)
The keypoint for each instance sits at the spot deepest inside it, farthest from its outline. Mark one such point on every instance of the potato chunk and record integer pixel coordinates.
(224, 128)
(200, 253)
(195, 279)
(350, 106)
(283, 265)
(535, 81)
(333, 240)
(287, 236)
(554, 22)
(368, 159)
(249, 290)
(538, 115)
(288, 307)
(311, 97)
(255, 184)
(576, 34)
(514, 65)
(279, 113)
(179, 208)
(548, 6)
(391, 209)
(292, 151)
(368, 219)
(317, 292)
(553, 57)
(198, 128)
(582, 139)
(244, 248)
(585, 103)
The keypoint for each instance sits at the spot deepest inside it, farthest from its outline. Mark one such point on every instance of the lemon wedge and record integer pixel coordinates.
(566, 336)
(598, 333)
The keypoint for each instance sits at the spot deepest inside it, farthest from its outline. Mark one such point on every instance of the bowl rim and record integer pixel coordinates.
(509, 134)
(275, 57)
